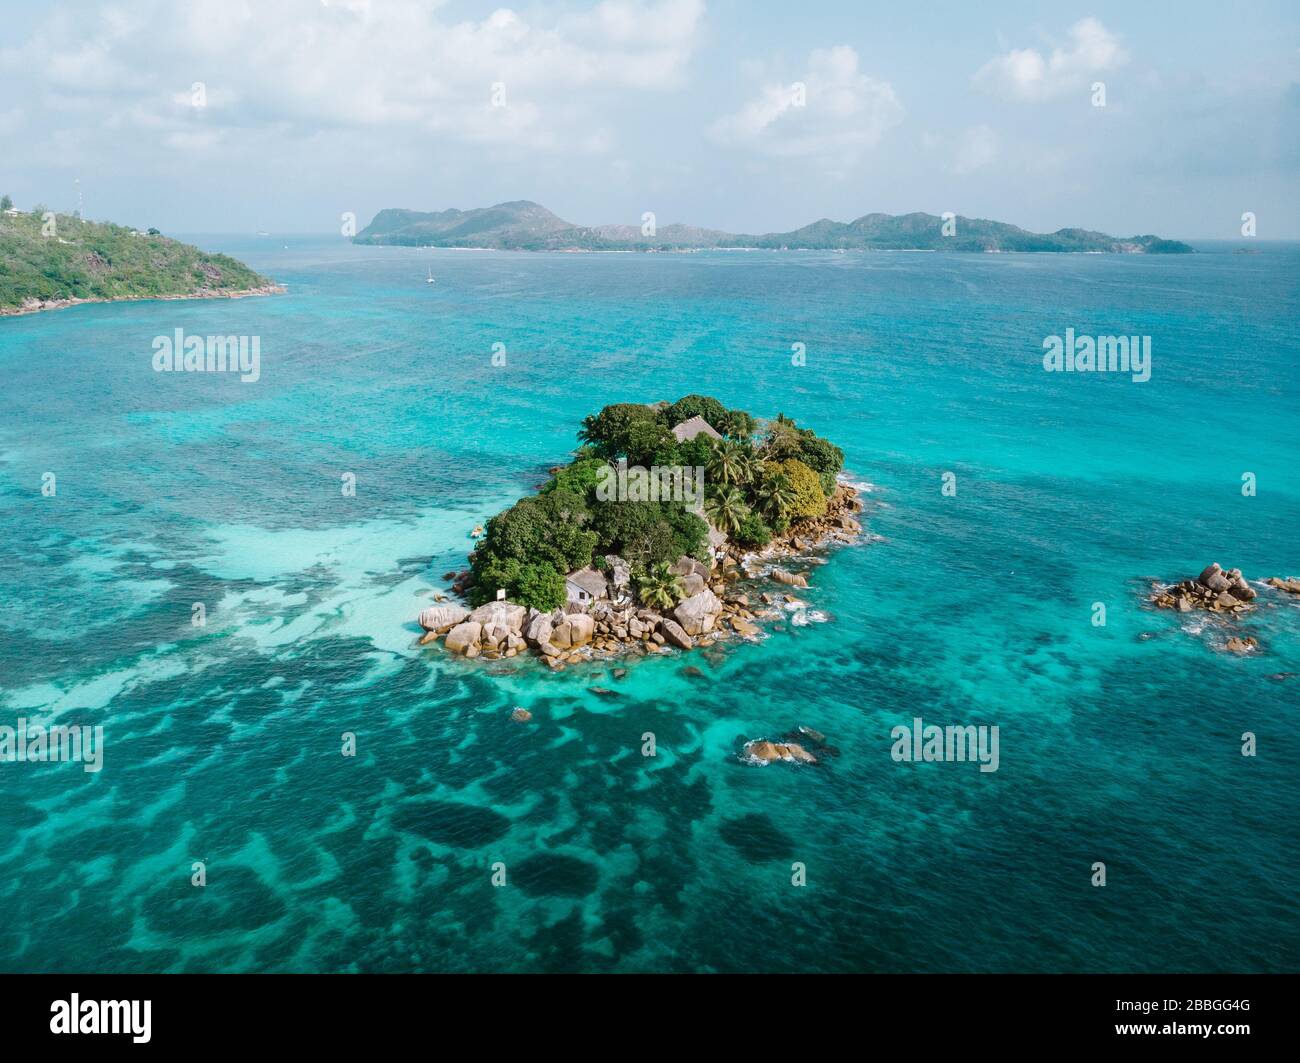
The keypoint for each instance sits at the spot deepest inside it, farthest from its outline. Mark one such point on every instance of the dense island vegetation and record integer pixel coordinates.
(48, 258)
(758, 482)
(526, 226)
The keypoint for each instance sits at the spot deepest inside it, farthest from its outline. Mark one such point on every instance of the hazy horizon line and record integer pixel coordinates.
(1243, 240)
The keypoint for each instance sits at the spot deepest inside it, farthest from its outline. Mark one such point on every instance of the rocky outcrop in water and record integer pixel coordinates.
(439, 619)
(675, 634)
(803, 745)
(698, 613)
(574, 630)
(788, 578)
(605, 630)
(464, 637)
(1214, 590)
(762, 751)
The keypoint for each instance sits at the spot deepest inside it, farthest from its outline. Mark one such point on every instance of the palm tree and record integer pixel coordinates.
(775, 496)
(661, 587)
(737, 424)
(750, 466)
(726, 509)
(729, 463)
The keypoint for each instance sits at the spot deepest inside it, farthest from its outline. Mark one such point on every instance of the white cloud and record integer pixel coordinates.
(840, 114)
(1026, 74)
(303, 66)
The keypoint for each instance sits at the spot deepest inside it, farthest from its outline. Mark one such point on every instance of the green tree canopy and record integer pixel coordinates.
(578, 478)
(537, 584)
(542, 528)
(698, 406)
(753, 531)
(645, 533)
(785, 439)
(540, 586)
(809, 498)
(611, 430)
(650, 443)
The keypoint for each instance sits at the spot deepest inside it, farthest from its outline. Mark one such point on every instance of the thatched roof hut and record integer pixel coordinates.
(692, 427)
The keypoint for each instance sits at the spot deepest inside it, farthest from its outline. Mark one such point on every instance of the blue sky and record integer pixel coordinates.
(240, 115)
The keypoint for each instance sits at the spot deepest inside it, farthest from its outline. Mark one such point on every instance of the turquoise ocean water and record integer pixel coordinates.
(1119, 744)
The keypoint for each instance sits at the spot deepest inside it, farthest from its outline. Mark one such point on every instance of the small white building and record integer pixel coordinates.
(584, 586)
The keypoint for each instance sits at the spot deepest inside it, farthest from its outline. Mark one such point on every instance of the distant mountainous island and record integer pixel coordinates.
(527, 226)
(51, 260)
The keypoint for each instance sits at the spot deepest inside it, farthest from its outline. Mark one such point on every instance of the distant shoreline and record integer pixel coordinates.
(36, 306)
(769, 250)
(523, 225)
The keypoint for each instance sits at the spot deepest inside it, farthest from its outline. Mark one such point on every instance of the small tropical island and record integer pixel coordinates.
(49, 261)
(668, 529)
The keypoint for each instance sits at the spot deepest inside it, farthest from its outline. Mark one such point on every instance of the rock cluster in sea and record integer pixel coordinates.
(791, 748)
(603, 628)
(1214, 590)
(1226, 592)
(762, 751)
(712, 610)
